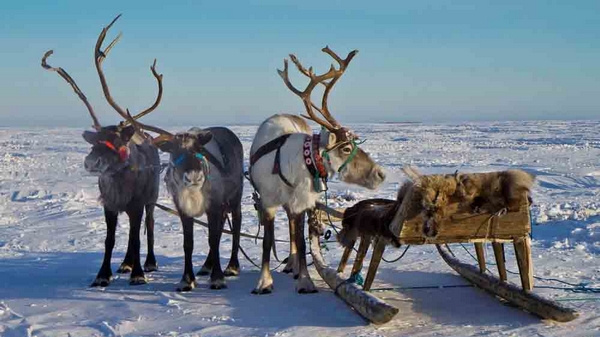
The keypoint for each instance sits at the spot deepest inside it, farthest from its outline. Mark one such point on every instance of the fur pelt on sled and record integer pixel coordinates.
(435, 198)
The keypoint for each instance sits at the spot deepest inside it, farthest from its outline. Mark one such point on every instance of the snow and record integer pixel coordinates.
(52, 241)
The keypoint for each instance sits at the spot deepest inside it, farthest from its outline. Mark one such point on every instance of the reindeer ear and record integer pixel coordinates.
(332, 139)
(126, 133)
(204, 137)
(90, 137)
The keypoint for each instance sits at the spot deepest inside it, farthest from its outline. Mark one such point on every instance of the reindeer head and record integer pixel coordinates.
(109, 149)
(341, 147)
(188, 164)
(110, 144)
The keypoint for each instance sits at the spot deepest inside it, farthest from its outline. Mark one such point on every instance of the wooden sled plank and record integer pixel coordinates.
(366, 304)
(527, 300)
(480, 256)
(378, 249)
(500, 262)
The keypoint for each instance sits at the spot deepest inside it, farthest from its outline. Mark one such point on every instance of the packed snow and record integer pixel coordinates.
(52, 234)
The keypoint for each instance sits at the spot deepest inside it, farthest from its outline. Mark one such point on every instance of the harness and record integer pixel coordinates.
(205, 157)
(312, 159)
(122, 151)
(314, 162)
(273, 145)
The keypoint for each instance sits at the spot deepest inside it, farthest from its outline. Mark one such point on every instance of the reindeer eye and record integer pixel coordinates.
(347, 149)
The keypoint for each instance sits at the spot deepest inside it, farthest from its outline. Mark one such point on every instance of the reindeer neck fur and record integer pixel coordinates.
(136, 180)
(192, 201)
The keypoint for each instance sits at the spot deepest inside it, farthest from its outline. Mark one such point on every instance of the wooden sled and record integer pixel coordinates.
(510, 227)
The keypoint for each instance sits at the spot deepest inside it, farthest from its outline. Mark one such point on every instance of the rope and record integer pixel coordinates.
(424, 287)
(244, 252)
(398, 258)
(573, 287)
(174, 212)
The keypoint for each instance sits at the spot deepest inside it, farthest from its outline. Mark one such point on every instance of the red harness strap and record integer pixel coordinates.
(122, 151)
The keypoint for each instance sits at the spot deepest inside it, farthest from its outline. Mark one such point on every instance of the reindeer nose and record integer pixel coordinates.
(192, 178)
(380, 174)
(90, 165)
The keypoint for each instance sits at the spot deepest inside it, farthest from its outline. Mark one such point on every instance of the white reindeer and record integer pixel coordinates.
(289, 167)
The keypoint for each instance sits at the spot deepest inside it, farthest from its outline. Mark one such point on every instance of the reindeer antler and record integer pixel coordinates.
(74, 85)
(332, 75)
(99, 57)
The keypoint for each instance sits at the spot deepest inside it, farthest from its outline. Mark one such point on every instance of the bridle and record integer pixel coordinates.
(198, 156)
(122, 151)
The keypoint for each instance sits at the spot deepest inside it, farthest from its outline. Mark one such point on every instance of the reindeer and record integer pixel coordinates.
(289, 167)
(128, 173)
(205, 176)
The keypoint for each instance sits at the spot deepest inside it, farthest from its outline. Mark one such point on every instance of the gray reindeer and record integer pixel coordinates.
(128, 173)
(205, 176)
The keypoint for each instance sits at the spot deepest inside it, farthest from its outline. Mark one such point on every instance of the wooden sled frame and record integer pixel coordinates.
(512, 227)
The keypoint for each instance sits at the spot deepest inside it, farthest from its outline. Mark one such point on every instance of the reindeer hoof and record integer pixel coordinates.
(231, 271)
(137, 280)
(150, 267)
(218, 284)
(291, 265)
(305, 286)
(204, 271)
(184, 286)
(101, 282)
(263, 291)
(124, 269)
(307, 291)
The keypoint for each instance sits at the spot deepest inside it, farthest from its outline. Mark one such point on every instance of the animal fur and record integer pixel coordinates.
(493, 191)
(435, 198)
(368, 218)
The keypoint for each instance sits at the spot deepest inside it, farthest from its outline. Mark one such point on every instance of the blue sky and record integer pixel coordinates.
(418, 61)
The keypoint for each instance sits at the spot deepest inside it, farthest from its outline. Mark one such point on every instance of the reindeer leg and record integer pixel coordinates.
(135, 223)
(292, 262)
(105, 274)
(215, 229)
(265, 283)
(207, 266)
(304, 285)
(127, 264)
(150, 265)
(188, 280)
(233, 268)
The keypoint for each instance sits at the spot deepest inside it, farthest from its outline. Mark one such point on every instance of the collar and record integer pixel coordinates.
(312, 159)
(314, 162)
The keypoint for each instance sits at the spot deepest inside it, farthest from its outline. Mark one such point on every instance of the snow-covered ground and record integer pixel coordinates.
(52, 237)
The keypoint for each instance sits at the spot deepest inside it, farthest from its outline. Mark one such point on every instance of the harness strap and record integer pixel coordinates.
(211, 159)
(268, 148)
(273, 145)
(277, 167)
